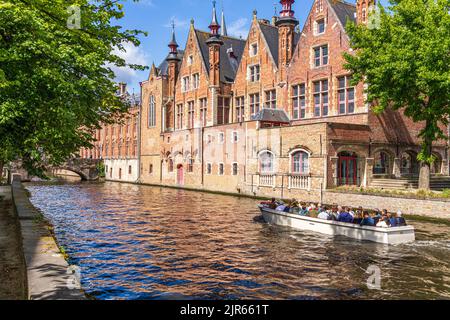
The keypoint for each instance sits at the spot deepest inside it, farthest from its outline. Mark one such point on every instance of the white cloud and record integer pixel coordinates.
(179, 23)
(131, 55)
(149, 3)
(238, 28)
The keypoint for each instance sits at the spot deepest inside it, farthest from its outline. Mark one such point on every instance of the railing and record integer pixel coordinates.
(300, 182)
(267, 180)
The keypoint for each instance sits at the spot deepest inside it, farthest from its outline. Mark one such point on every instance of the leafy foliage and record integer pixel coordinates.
(56, 83)
(406, 63)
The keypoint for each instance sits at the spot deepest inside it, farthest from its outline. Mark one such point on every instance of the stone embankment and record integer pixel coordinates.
(49, 274)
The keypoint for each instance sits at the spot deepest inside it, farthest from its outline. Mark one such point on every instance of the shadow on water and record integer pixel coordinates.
(139, 242)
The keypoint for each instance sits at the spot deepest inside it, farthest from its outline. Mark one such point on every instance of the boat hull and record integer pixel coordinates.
(395, 235)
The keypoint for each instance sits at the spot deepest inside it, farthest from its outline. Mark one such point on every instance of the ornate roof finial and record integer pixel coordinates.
(173, 45)
(214, 26)
(255, 14)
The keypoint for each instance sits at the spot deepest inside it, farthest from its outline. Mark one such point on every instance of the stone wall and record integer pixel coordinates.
(428, 208)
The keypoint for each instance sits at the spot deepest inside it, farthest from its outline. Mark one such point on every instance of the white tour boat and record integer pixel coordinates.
(394, 235)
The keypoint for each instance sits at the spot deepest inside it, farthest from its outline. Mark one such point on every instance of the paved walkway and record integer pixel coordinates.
(48, 273)
(13, 282)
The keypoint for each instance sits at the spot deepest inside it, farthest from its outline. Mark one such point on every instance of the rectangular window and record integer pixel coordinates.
(129, 169)
(221, 137)
(208, 168)
(320, 25)
(221, 169)
(254, 71)
(346, 95)
(203, 111)
(179, 116)
(195, 81)
(191, 165)
(151, 114)
(191, 114)
(254, 103)
(253, 49)
(321, 56)
(321, 98)
(223, 110)
(299, 101)
(185, 84)
(150, 169)
(234, 137)
(235, 169)
(240, 109)
(271, 99)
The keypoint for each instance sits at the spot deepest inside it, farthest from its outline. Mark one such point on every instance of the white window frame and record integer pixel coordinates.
(291, 160)
(260, 163)
(185, 84)
(252, 47)
(237, 169)
(223, 169)
(195, 81)
(221, 138)
(316, 26)
(321, 55)
(234, 134)
(257, 76)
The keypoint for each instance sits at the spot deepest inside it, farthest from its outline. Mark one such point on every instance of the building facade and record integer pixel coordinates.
(117, 144)
(272, 115)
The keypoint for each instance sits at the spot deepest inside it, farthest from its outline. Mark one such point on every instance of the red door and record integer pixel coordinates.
(348, 170)
(180, 175)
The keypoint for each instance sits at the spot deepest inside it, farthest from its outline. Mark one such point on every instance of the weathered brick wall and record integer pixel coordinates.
(242, 87)
(302, 69)
(150, 143)
(431, 208)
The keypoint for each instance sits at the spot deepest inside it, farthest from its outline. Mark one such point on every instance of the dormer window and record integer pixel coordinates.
(253, 49)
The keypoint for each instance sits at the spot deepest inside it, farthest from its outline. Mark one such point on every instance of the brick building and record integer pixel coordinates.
(272, 115)
(117, 144)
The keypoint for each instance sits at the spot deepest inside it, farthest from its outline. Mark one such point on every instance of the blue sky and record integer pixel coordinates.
(155, 16)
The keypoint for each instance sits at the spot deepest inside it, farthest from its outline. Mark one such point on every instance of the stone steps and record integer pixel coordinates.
(436, 183)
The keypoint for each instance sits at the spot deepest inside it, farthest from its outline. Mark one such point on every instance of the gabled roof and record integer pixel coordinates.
(227, 66)
(164, 66)
(344, 11)
(270, 33)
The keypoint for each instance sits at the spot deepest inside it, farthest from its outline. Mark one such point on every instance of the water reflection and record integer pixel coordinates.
(138, 242)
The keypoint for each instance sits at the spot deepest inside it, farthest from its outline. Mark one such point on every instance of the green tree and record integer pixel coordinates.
(56, 82)
(404, 57)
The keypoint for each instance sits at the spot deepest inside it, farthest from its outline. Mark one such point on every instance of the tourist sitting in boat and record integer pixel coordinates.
(383, 222)
(401, 222)
(303, 210)
(345, 216)
(358, 218)
(324, 214)
(367, 220)
(377, 215)
(334, 214)
(312, 207)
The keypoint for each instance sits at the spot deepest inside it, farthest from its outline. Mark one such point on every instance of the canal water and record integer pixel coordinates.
(140, 242)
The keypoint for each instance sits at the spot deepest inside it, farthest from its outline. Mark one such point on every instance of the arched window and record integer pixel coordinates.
(151, 112)
(170, 165)
(266, 162)
(300, 162)
(381, 165)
